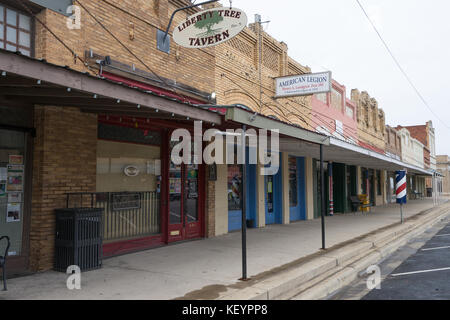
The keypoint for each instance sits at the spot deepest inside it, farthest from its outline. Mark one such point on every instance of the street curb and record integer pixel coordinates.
(324, 275)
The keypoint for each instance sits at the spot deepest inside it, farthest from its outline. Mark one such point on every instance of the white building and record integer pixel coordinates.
(412, 149)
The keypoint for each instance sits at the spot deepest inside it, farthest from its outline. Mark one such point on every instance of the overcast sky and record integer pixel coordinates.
(335, 35)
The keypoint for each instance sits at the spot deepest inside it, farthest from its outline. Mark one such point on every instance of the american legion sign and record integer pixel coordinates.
(301, 85)
(210, 27)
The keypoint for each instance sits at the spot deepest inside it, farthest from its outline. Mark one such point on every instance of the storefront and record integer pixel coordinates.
(16, 140)
(390, 187)
(297, 189)
(81, 141)
(344, 186)
(235, 196)
(273, 190)
(318, 189)
(147, 199)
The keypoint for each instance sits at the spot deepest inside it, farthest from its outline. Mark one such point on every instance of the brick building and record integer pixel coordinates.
(426, 135)
(393, 143)
(371, 121)
(77, 139)
(443, 167)
(245, 70)
(91, 122)
(371, 135)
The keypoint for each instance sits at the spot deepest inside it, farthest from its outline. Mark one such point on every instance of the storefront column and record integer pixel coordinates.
(64, 161)
(210, 217)
(261, 197)
(285, 183)
(309, 174)
(221, 200)
(359, 180)
(383, 186)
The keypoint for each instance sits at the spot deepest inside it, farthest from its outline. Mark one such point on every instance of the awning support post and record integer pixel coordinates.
(322, 196)
(244, 206)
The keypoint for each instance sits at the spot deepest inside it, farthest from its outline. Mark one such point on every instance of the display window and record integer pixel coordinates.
(12, 187)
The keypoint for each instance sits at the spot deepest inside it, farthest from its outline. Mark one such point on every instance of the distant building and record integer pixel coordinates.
(335, 115)
(426, 135)
(371, 121)
(393, 143)
(443, 167)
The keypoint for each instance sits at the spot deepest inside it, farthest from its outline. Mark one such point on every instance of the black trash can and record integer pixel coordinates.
(78, 238)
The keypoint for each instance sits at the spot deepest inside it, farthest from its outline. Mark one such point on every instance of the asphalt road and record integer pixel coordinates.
(419, 270)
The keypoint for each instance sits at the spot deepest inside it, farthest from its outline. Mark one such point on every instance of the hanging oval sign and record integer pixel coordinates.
(210, 27)
(131, 171)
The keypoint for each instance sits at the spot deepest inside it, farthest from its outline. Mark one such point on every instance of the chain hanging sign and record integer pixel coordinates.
(210, 27)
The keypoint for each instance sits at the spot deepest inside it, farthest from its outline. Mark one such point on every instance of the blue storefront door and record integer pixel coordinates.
(235, 197)
(297, 191)
(273, 193)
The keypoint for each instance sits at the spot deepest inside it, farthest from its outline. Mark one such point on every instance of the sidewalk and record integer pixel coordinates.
(177, 270)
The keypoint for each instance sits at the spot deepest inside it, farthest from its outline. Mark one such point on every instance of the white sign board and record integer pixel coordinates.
(301, 85)
(210, 27)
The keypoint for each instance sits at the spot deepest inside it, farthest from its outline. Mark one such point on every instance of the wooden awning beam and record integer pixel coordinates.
(35, 70)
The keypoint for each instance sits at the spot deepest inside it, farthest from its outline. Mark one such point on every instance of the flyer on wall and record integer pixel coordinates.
(15, 178)
(15, 159)
(13, 212)
(14, 197)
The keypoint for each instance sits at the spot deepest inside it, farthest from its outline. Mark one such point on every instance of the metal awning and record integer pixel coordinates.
(239, 115)
(344, 152)
(28, 81)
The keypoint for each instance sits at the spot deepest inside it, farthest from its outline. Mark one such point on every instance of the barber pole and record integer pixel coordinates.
(330, 188)
(400, 190)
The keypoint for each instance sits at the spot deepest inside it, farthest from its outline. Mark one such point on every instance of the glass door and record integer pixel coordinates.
(175, 202)
(12, 189)
(270, 201)
(190, 201)
(184, 196)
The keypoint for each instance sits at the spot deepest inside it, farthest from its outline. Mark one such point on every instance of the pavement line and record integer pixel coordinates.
(421, 271)
(443, 235)
(437, 248)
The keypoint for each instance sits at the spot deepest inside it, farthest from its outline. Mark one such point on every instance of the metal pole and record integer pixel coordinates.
(401, 213)
(244, 207)
(322, 196)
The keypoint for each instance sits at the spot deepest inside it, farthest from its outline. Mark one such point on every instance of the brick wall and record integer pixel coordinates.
(134, 23)
(371, 119)
(64, 160)
(392, 141)
(241, 80)
(210, 209)
(325, 114)
(65, 149)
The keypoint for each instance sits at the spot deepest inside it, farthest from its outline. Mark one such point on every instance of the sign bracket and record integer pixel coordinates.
(162, 37)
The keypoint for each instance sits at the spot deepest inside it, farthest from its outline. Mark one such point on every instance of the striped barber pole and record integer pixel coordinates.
(400, 190)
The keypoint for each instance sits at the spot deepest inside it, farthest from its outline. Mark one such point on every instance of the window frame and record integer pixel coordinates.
(31, 32)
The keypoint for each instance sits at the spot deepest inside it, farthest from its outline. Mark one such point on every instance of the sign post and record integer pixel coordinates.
(400, 190)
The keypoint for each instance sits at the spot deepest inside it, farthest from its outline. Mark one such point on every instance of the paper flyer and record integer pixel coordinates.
(14, 197)
(14, 181)
(15, 159)
(13, 212)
